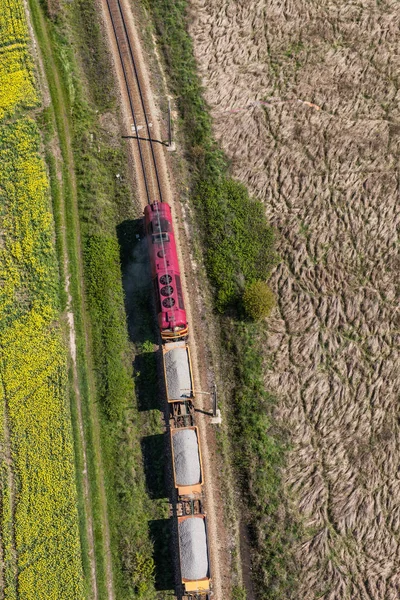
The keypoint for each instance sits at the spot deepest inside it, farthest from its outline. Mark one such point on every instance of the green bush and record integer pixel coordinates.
(260, 456)
(239, 249)
(238, 593)
(239, 241)
(258, 300)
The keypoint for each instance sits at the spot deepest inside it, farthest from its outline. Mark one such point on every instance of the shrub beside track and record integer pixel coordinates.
(239, 248)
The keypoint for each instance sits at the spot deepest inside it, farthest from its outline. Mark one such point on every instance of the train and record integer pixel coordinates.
(165, 271)
(187, 467)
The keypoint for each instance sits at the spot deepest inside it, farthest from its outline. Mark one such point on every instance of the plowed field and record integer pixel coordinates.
(322, 153)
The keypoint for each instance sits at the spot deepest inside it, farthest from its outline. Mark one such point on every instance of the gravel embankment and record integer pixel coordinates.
(186, 457)
(178, 374)
(193, 549)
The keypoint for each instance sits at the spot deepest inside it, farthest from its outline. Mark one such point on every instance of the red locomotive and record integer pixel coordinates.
(165, 271)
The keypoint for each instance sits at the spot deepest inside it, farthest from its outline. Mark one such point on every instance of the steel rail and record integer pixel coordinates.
(166, 269)
(141, 98)
(130, 98)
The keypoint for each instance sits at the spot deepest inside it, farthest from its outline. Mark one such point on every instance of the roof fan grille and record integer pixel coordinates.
(165, 279)
(167, 290)
(168, 302)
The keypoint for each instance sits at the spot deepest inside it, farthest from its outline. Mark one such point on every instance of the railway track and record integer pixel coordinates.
(146, 146)
(154, 187)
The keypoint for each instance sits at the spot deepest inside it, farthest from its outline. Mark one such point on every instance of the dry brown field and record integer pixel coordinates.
(329, 178)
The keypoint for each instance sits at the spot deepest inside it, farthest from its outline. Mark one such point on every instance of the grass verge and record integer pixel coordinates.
(239, 248)
(56, 133)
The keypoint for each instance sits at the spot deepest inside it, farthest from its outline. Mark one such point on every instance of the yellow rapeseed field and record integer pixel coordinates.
(45, 514)
(17, 89)
(40, 510)
(40, 554)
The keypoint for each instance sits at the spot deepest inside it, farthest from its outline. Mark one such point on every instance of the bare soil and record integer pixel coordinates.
(8, 497)
(323, 155)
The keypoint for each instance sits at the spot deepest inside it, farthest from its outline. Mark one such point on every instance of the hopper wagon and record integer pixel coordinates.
(194, 556)
(165, 272)
(178, 372)
(186, 461)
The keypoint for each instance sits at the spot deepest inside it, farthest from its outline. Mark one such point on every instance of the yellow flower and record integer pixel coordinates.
(38, 517)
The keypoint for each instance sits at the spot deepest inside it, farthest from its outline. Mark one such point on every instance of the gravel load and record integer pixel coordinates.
(177, 371)
(186, 457)
(193, 549)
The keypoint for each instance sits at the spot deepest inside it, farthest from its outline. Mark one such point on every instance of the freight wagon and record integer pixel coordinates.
(186, 461)
(184, 435)
(178, 371)
(194, 556)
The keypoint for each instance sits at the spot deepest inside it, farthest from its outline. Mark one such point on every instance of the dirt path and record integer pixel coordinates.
(217, 534)
(65, 153)
(8, 549)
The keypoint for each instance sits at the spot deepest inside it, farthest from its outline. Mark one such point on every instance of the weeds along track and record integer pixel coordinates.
(329, 179)
(153, 185)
